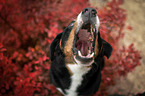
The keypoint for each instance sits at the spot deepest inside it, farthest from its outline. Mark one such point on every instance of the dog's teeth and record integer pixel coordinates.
(88, 55)
(92, 55)
(79, 53)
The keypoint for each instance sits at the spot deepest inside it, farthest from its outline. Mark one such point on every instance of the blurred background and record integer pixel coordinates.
(27, 28)
(134, 81)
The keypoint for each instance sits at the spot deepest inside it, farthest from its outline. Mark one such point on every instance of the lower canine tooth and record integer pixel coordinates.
(79, 53)
(88, 55)
(92, 55)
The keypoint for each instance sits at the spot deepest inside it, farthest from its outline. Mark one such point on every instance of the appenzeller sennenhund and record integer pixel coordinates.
(77, 56)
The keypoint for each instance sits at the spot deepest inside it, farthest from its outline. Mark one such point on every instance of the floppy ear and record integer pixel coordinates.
(54, 45)
(104, 47)
(107, 48)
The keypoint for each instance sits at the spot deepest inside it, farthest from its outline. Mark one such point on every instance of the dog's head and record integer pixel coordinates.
(81, 42)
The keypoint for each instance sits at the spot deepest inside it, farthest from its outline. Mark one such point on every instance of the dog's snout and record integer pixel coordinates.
(86, 17)
(85, 11)
(89, 12)
(89, 15)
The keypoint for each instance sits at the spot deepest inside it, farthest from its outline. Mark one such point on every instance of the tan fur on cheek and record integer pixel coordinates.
(69, 43)
(68, 48)
(96, 46)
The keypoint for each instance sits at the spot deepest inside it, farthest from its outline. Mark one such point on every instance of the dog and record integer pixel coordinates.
(77, 56)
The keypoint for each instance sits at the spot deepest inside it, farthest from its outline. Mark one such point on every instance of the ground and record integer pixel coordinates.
(134, 82)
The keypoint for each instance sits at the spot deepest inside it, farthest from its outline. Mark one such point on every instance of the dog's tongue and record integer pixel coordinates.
(83, 47)
(82, 43)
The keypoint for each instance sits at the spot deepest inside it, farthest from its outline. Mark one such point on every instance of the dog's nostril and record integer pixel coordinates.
(85, 10)
(94, 12)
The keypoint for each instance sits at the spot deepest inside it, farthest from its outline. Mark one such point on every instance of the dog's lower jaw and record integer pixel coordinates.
(78, 71)
(85, 63)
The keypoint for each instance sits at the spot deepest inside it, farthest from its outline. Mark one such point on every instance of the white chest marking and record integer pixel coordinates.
(78, 71)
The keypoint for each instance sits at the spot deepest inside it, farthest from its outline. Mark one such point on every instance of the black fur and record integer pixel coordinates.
(59, 74)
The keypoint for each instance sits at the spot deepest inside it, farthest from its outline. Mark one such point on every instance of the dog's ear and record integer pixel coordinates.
(104, 47)
(107, 48)
(54, 45)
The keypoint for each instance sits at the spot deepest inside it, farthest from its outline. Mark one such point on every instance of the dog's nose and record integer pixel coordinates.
(89, 15)
(89, 12)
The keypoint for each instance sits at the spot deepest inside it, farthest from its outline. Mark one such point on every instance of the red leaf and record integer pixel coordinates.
(129, 27)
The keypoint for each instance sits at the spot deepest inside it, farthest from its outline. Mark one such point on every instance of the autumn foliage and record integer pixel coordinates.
(27, 28)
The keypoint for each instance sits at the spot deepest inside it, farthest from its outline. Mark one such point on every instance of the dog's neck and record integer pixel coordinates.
(77, 76)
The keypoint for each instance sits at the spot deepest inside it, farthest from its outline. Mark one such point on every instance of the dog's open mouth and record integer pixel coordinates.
(84, 43)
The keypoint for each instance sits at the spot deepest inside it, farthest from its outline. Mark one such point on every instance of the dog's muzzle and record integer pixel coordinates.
(85, 36)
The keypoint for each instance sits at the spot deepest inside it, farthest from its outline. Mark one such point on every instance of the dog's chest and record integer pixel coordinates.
(77, 77)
